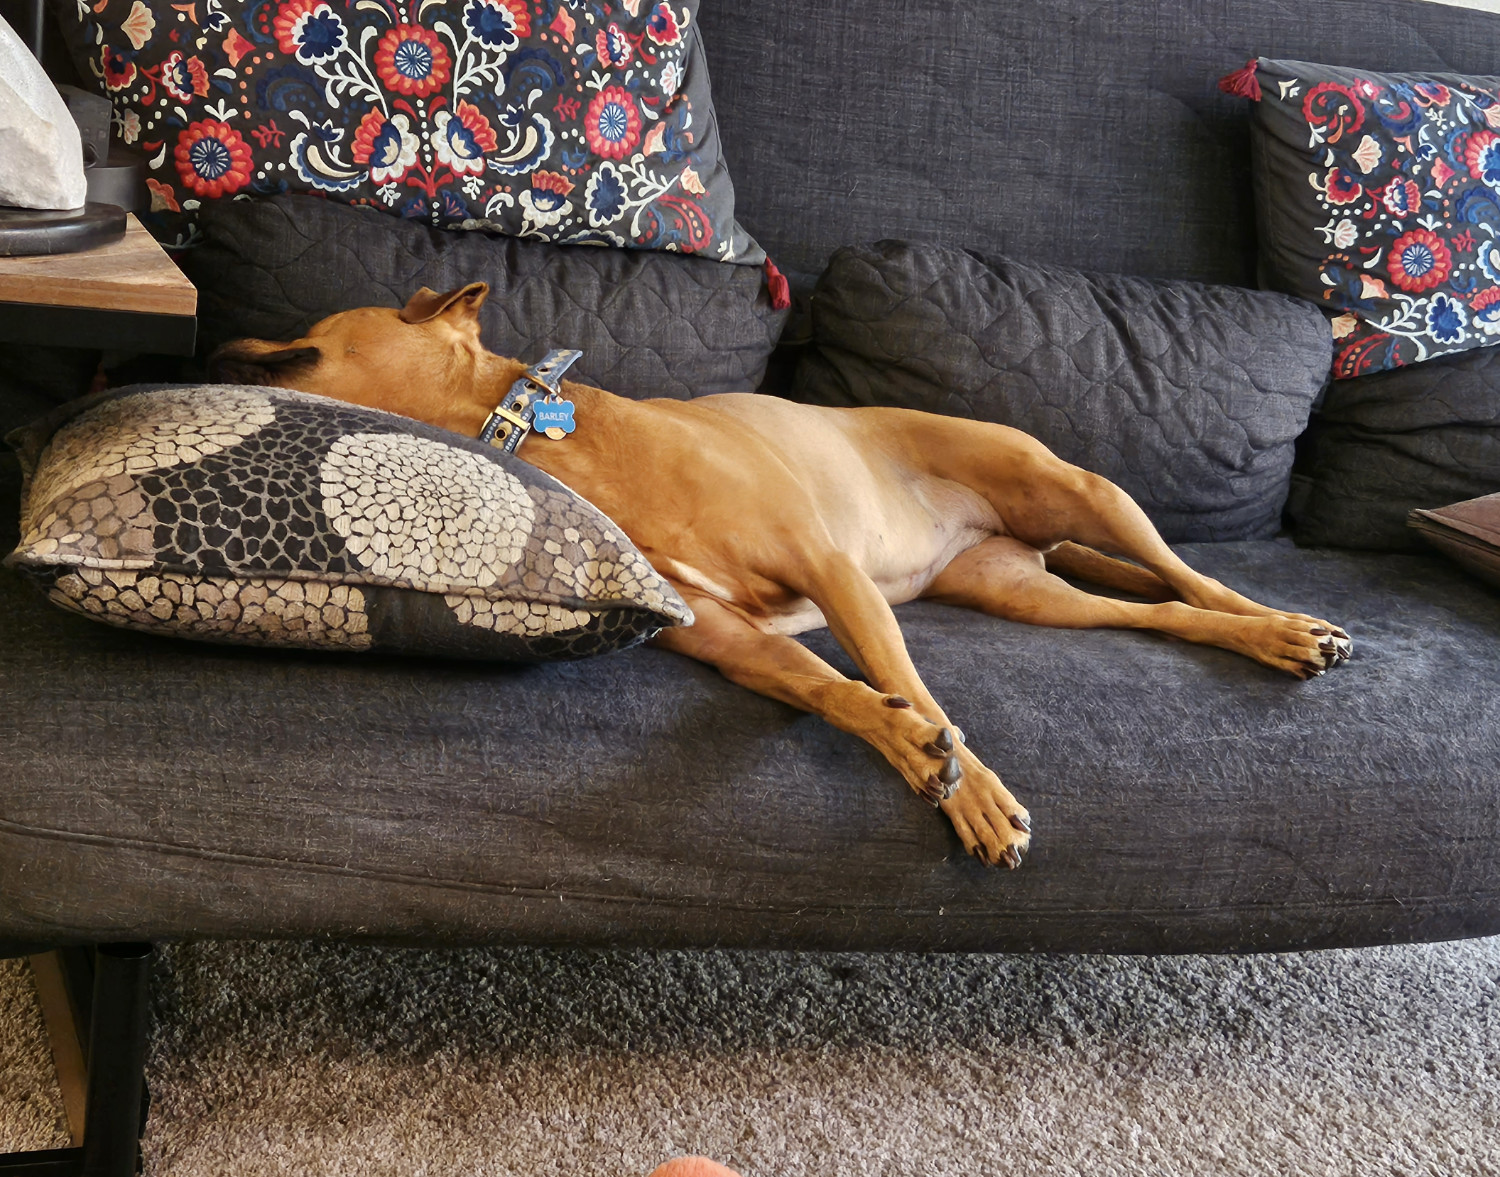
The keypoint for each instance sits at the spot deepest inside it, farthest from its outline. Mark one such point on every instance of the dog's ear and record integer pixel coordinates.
(233, 363)
(427, 304)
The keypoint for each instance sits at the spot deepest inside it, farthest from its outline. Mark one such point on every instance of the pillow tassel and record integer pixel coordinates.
(780, 289)
(1243, 83)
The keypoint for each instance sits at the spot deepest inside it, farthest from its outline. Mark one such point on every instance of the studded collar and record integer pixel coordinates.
(510, 422)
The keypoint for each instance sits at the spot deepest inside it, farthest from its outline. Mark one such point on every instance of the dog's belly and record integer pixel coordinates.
(902, 561)
(922, 525)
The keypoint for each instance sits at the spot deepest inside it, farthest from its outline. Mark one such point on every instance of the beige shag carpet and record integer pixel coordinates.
(328, 1059)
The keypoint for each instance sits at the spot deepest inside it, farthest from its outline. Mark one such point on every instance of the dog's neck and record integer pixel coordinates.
(493, 378)
(597, 412)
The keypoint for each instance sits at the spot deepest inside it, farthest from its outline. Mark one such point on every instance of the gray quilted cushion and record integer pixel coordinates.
(1190, 397)
(1389, 443)
(648, 324)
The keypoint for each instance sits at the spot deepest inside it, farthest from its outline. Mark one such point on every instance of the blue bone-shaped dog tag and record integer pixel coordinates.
(551, 415)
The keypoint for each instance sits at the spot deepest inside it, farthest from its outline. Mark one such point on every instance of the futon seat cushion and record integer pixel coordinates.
(1185, 798)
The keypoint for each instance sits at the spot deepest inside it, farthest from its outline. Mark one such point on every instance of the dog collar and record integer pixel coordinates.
(512, 419)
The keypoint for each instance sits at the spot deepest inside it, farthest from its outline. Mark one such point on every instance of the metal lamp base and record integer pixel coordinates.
(26, 232)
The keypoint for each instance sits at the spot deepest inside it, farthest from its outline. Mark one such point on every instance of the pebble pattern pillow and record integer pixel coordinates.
(257, 515)
(1378, 198)
(569, 122)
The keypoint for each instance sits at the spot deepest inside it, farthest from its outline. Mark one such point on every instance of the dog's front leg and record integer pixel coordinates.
(990, 822)
(905, 725)
(783, 668)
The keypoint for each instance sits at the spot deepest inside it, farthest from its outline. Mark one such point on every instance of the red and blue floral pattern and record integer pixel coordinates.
(1394, 223)
(571, 120)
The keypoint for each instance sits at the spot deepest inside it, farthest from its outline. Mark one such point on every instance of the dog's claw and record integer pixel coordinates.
(950, 774)
(1021, 823)
(959, 732)
(896, 701)
(940, 746)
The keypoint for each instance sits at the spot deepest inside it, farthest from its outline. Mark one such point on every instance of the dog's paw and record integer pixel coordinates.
(993, 826)
(1300, 645)
(1336, 646)
(924, 752)
(936, 762)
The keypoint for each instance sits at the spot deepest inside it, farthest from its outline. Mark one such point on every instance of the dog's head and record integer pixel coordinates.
(413, 361)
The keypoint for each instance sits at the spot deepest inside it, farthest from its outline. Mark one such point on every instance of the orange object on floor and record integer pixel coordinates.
(692, 1167)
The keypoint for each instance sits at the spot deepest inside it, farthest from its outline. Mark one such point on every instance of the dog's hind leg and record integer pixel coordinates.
(1042, 501)
(1006, 578)
(1091, 510)
(1081, 563)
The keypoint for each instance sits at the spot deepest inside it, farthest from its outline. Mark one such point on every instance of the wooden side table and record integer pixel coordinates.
(127, 296)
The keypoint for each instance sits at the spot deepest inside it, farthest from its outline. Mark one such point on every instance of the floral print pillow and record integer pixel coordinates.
(1378, 197)
(576, 121)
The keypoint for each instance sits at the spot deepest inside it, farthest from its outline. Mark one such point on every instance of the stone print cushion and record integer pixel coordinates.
(540, 118)
(1378, 197)
(257, 515)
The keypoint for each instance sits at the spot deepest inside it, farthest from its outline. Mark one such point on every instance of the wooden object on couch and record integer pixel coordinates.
(64, 1036)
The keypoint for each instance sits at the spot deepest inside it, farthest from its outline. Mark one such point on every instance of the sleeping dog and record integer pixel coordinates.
(773, 518)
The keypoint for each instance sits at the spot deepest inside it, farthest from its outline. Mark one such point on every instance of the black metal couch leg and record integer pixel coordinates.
(115, 1103)
(117, 1061)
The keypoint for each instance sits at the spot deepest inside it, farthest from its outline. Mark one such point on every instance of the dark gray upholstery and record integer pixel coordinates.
(1190, 397)
(1389, 443)
(1052, 130)
(1184, 798)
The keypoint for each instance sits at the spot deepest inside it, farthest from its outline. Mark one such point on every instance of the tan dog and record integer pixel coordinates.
(773, 518)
